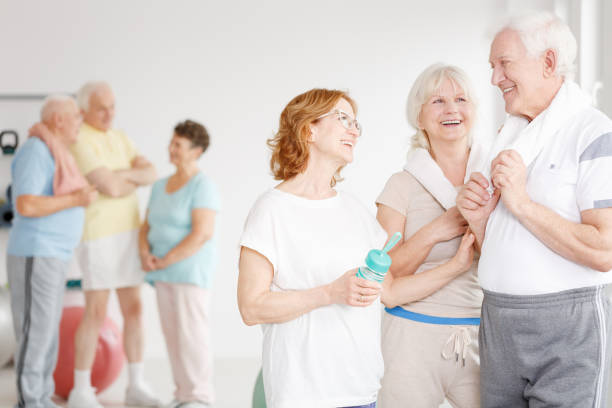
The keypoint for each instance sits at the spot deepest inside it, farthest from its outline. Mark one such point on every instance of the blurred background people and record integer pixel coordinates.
(49, 194)
(108, 255)
(178, 250)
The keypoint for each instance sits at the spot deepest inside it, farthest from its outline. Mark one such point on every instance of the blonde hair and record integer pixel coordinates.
(426, 84)
(290, 145)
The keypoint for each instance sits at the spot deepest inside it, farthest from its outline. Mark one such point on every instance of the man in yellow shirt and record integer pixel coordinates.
(108, 255)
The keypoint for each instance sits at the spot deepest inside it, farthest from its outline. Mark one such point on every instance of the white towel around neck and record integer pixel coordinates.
(425, 169)
(529, 138)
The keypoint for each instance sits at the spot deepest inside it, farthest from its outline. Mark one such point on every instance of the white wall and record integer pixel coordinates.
(606, 91)
(234, 65)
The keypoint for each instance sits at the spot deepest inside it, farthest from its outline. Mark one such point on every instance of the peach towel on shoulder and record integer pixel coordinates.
(67, 177)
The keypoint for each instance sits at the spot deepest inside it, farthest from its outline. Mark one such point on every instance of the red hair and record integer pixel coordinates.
(290, 150)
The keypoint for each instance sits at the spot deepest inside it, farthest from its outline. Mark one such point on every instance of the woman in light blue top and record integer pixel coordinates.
(177, 249)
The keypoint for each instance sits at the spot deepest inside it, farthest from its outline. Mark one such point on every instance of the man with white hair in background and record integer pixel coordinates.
(547, 243)
(108, 255)
(49, 194)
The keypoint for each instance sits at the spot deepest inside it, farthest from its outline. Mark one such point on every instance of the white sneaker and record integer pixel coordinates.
(140, 396)
(194, 404)
(83, 398)
(174, 404)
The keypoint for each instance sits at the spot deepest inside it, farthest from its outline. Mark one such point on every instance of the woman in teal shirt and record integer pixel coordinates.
(177, 249)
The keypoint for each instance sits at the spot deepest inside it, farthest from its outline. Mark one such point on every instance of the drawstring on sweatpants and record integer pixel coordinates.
(457, 345)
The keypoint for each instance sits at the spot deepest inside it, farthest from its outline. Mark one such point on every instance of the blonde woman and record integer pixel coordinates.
(430, 327)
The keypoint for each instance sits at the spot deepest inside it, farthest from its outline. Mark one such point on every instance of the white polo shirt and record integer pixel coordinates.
(573, 173)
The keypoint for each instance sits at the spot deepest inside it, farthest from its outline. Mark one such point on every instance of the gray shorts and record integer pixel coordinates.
(547, 350)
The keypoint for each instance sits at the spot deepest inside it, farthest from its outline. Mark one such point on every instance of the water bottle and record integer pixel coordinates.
(377, 262)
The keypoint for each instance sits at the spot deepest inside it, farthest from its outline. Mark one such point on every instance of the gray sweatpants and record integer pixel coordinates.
(545, 350)
(37, 290)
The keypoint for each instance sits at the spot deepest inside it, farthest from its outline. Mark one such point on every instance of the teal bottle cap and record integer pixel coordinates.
(378, 261)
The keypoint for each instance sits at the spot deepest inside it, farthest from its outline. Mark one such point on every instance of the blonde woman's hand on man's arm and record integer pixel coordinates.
(411, 288)
(412, 251)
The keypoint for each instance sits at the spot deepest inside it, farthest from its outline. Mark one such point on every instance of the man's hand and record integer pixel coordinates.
(140, 162)
(474, 201)
(509, 175)
(40, 129)
(476, 205)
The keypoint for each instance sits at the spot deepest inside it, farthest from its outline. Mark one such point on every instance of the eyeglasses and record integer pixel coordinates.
(345, 119)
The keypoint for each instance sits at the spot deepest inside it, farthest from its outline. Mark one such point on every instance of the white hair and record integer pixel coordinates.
(540, 31)
(426, 84)
(85, 92)
(53, 104)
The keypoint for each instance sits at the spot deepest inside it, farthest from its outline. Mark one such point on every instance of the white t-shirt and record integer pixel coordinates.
(572, 174)
(329, 357)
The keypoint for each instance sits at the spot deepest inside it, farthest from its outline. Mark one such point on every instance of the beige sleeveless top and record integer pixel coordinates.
(462, 297)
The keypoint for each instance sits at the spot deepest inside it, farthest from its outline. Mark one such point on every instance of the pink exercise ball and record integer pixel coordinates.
(109, 353)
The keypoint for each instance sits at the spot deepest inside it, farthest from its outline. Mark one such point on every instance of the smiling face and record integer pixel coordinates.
(101, 110)
(447, 115)
(521, 78)
(329, 138)
(182, 152)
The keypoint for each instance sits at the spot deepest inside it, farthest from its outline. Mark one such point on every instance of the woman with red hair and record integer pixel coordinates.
(300, 248)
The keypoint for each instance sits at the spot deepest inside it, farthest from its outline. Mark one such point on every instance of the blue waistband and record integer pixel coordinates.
(417, 317)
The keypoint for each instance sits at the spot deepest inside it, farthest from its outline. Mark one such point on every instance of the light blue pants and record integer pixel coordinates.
(37, 290)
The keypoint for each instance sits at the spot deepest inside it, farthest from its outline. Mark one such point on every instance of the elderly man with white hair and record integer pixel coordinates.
(547, 242)
(49, 194)
(108, 255)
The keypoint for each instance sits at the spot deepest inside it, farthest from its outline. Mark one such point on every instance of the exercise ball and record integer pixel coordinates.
(259, 397)
(109, 353)
(8, 345)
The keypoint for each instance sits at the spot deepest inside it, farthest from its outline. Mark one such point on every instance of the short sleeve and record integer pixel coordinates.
(206, 195)
(86, 157)
(379, 234)
(593, 187)
(375, 232)
(32, 170)
(393, 194)
(258, 233)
